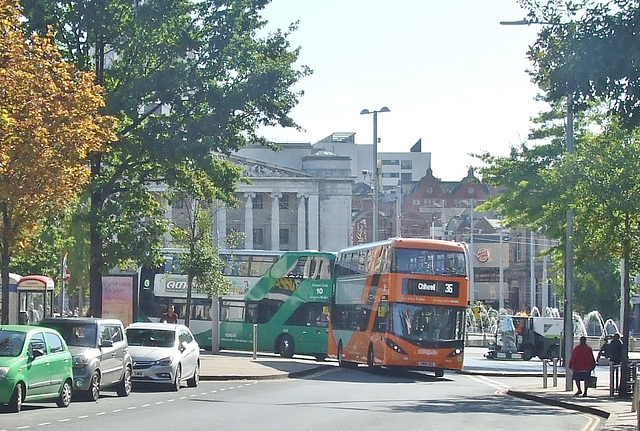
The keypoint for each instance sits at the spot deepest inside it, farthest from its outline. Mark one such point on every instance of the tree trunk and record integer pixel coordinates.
(5, 265)
(187, 311)
(624, 365)
(95, 253)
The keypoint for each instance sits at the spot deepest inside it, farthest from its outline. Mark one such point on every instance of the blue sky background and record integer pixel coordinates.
(448, 71)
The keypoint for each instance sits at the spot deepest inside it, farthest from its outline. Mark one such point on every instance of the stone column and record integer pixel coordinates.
(302, 222)
(314, 221)
(275, 221)
(248, 221)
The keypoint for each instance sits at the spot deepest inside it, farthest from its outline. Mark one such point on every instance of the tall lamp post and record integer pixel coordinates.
(376, 178)
(568, 268)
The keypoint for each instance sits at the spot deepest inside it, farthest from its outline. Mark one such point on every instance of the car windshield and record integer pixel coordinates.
(150, 337)
(76, 334)
(11, 343)
(419, 322)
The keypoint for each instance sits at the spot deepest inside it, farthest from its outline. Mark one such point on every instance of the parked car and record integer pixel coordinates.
(100, 352)
(164, 353)
(35, 365)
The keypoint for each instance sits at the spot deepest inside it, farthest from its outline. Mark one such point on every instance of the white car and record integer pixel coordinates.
(164, 353)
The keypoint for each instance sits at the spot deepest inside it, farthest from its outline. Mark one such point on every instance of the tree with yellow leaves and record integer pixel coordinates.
(50, 123)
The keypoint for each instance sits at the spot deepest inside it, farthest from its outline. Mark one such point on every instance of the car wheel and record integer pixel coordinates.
(94, 387)
(439, 372)
(124, 387)
(193, 381)
(177, 379)
(64, 399)
(15, 403)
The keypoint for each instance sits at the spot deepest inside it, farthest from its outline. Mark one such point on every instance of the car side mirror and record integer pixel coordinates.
(106, 343)
(183, 346)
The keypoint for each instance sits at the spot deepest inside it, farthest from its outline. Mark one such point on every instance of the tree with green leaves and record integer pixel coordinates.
(190, 82)
(199, 259)
(589, 51)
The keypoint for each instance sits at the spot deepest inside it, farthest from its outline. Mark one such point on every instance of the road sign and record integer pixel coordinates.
(67, 275)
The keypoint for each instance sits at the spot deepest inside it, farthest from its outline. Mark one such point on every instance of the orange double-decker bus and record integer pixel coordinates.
(400, 303)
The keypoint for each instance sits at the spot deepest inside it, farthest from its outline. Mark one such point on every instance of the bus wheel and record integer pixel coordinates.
(439, 372)
(341, 362)
(370, 356)
(285, 346)
(527, 352)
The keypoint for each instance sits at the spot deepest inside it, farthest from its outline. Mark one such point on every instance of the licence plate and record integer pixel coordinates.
(427, 364)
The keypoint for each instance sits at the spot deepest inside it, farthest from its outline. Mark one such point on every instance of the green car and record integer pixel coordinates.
(35, 365)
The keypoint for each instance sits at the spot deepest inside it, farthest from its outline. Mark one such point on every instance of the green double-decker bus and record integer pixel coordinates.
(289, 307)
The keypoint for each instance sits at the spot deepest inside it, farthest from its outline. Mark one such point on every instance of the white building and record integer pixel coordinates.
(395, 168)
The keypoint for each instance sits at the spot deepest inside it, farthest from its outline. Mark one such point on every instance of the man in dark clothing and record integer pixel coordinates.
(581, 363)
(615, 349)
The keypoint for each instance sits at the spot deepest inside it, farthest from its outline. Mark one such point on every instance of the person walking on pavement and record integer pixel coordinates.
(170, 316)
(615, 349)
(582, 363)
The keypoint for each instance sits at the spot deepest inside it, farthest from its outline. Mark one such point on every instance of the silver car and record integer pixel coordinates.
(164, 353)
(100, 354)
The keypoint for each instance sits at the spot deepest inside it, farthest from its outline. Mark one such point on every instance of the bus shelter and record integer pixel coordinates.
(35, 299)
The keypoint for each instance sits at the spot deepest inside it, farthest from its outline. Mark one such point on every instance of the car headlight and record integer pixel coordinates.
(80, 360)
(165, 361)
(3, 372)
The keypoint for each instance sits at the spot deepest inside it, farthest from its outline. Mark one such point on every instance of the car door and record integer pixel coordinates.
(37, 374)
(108, 355)
(119, 351)
(59, 361)
(190, 354)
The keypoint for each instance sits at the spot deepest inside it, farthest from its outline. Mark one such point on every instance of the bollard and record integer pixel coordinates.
(555, 372)
(544, 374)
(255, 342)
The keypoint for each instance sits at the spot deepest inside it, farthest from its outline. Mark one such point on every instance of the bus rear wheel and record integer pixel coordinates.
(284, 346)
(439, 372)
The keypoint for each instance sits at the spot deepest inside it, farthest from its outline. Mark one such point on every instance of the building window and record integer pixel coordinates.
(406, 178)
(390, 162)
(258, 202)
(258, 236)
(284, 236)
(406, 164)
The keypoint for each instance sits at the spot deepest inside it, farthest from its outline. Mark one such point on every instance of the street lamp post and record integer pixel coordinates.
(568, 268)
(376, 178)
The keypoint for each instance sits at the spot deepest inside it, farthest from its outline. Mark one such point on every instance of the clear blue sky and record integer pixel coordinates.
(449, 73)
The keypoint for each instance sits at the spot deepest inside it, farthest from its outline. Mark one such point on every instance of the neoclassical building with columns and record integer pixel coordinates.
(285, 208)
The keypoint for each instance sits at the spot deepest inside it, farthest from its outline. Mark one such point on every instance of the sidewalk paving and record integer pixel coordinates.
(617, 413)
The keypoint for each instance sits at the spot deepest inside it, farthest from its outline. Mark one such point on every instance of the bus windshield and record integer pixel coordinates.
(417, 322)
(429, 262)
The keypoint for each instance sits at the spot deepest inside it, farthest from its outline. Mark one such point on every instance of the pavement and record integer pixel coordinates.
(616, 412)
